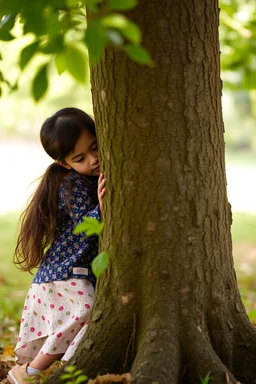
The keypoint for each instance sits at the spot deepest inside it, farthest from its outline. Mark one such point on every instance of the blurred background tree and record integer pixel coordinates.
(42, 39)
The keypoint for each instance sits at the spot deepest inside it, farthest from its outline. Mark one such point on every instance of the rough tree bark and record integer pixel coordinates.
(168, 307)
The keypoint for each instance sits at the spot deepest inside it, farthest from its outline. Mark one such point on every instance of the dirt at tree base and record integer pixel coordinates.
(5, 366)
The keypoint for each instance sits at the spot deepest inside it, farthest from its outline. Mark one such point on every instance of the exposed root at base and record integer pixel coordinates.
(244, 354)
(158, 357)
(203, 360)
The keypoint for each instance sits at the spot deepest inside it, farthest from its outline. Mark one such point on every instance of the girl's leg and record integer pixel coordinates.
(42, 362)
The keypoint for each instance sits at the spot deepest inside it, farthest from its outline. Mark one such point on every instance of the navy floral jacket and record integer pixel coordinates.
(71, 255)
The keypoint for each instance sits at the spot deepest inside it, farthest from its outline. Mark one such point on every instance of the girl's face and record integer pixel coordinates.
(84, 158)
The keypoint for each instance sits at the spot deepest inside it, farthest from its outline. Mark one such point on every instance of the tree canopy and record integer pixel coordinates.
(62, 32)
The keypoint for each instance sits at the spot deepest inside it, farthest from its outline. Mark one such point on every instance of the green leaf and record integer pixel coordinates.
(53, 45)
(89, 226)
(53, 24)
(27, 53)
(114, 20)
(40, 83)
(138, 53)
(7, 7)
(60, 63)
(122, 5)
(78, 372)
(71, 3)
(206, 379)
(95, 40)
(6, 36)
(81, 379)
(76, 62)
(70, 368)
(132, 32)
(35, 18)
(100, 263)
(66, 376)
(129, 29)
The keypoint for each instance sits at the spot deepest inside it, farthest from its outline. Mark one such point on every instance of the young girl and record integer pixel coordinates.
(57, 307)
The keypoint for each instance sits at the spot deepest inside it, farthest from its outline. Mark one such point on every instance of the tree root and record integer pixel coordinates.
(158, 357)
(203, 360)
(244, 354)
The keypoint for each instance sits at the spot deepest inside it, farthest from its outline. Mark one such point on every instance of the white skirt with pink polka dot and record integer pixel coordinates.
(54, 319)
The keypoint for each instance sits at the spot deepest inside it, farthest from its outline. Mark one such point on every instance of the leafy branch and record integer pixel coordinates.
(69, 33)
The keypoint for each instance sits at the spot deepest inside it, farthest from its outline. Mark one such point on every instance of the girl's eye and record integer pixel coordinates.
(95, 148)
(80, 160)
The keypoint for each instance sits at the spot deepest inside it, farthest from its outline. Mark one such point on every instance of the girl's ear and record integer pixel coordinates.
(65, 165)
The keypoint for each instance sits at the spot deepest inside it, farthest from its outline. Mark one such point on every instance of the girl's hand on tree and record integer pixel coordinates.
(101, 190)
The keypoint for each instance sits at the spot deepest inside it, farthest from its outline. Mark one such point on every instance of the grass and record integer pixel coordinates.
(9, 274)
(244, 250)
(240, 158)
(244, 228)
(13, 283)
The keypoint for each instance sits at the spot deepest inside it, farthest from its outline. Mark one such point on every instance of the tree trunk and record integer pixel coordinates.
(168, 308)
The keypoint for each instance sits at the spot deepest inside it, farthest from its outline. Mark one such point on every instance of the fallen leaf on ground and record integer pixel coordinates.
(7, 354)
(8, 350)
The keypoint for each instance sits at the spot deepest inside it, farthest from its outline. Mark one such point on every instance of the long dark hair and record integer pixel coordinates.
(38, 222)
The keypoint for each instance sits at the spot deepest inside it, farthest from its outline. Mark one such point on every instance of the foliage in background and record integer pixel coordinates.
(238, 43)
(63, 31)
(238, 72)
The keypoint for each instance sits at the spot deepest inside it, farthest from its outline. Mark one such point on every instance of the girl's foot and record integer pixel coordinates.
(19, 375)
